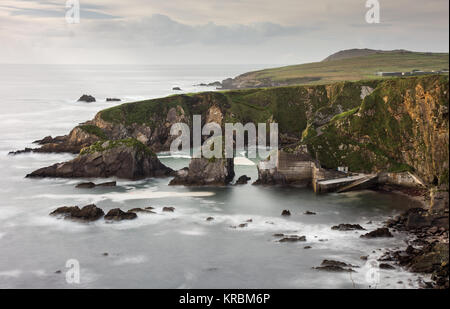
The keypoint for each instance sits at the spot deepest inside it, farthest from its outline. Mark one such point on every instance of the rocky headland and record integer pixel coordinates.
(127, 158)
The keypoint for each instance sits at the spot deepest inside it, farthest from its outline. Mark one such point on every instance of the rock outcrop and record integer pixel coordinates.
(129, 159)
(86, 98)
(380, 232)
(117, 214)
(87, 213)
(202, 171)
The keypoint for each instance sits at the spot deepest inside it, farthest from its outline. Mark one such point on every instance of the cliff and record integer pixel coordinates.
(373, 125)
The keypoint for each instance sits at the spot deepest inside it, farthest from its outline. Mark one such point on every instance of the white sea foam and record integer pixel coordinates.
(138, 259)
(14, 273)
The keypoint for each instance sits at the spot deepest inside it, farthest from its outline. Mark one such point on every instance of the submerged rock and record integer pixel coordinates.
(86, 98)
(348, 227)
(90, 185)
(380, 232)
(87, 213)
(127, 158)
(117, 214)
(309, 212)
(136, 210)
(202, 171)
(293, 238)
(168, 209)
(85, 185)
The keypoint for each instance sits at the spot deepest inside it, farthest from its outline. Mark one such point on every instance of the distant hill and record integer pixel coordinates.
(347, 65)
(356, 52)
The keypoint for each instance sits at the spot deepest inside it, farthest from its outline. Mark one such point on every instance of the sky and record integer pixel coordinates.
(213, 31)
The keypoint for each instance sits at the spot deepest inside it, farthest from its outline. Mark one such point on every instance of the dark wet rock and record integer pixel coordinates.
(113, 100)
(278, 235)
(364, 257)
(348, 227)
(309, 212)
(117, 214)
(249, 220)
(380, 232)
(307, 247)
(386, 266)
(242, 225)
(149, 207)
(58, 271)
(90, 185)
(242, 180)
(128, 159)
(87, 213)
(86, 98)
(285, 213)
(140, 210)
(176, 88)
(209, 219)
(105, 254)
(17, 152)
(293, 238)
(85, 185)
(168, 209)
(335, 266)
(205, 172)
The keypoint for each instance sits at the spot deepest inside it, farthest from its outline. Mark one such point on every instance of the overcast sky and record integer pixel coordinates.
(214, 31)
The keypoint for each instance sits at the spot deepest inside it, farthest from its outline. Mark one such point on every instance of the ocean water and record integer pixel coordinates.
(165, 250)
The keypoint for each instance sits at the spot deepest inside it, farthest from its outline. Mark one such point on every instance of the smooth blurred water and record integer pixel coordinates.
(163, 250)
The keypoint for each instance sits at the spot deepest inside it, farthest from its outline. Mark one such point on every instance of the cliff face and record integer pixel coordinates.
(401, 125)
(393, 125)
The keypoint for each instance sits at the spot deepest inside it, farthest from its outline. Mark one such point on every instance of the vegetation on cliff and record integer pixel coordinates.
(102, 146)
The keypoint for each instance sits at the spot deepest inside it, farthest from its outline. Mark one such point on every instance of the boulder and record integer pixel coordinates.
(86, 98)
(285, 213)
(348, 227)
(380, 232)
(386, 266)
(117, 214)
(202, 171)
(87, 213)
(129, 159)
(168, 209)
(176, 88)
(242, 180)
(335, 266)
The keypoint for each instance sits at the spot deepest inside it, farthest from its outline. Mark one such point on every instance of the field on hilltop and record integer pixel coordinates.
(343, 66)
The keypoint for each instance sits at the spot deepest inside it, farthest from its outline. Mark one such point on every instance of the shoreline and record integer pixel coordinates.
(427, 250)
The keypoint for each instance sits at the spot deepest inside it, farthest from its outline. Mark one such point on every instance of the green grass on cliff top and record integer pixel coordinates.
(102, 146)
(356, 68)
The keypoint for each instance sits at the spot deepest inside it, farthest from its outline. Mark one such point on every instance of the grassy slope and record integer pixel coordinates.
(356, 68)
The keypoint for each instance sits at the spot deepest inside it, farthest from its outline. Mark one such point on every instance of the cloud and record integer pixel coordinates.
(162, 30)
